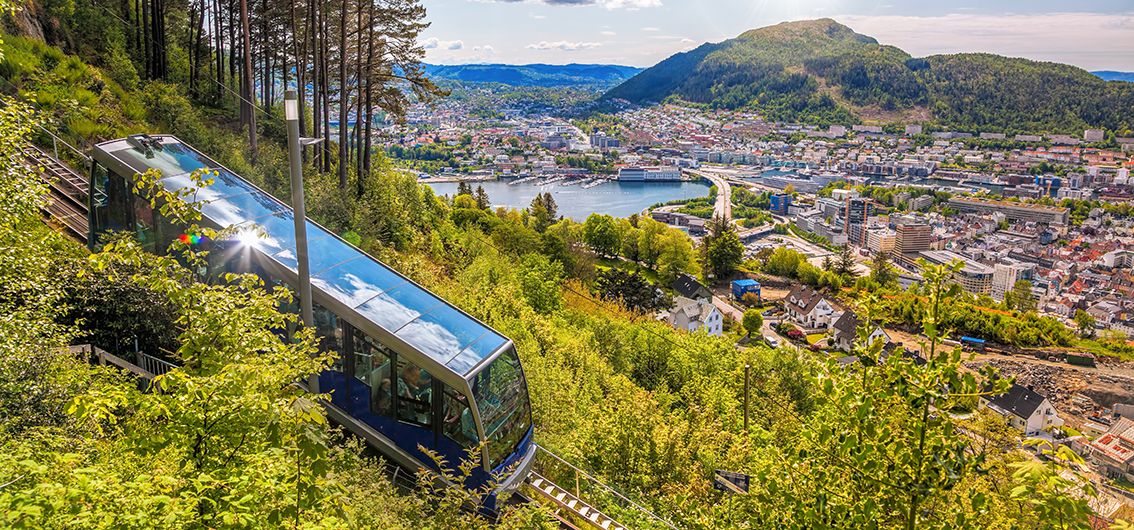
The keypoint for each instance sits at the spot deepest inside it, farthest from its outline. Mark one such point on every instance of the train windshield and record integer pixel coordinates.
(502, 397)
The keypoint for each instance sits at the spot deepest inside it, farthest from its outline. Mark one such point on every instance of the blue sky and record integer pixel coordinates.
(1093, 34)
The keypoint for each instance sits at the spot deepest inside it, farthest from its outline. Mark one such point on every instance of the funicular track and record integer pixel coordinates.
(67, 201)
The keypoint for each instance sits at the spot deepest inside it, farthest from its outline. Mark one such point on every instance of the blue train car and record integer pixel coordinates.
(411, 370)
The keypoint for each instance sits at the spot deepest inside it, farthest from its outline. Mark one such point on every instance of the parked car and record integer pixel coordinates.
(772, 341)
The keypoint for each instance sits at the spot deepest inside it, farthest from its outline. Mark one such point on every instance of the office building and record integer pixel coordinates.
(600, 140)
(1005, 276)
(974, 277)
(881, 240)
(780, 202)
(911, 238)
(858, 210)
(921, 202)
(1014, 211)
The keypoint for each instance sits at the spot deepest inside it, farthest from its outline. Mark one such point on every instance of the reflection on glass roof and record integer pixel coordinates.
(374, 291)
(172, 159)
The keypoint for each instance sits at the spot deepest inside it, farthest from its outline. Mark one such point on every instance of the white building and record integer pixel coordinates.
(881, 240)
(1118, 259)
(1094, 135)
(809, 309)
(692, 315)
(1025, 410)
(649, 174)
(1005, 276)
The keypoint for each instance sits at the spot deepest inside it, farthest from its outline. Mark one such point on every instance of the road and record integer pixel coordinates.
(723, 206)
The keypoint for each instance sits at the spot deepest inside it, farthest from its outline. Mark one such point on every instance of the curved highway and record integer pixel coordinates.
(723, 206)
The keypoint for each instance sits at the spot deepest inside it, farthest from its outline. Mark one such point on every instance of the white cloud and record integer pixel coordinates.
(608, 4)
(1095, 41)
(433, 43)
(487, 48)
(562, 45)
(609, 33)
(539, 17)
(651, 29)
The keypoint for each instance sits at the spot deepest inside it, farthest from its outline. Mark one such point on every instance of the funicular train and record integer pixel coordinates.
(411, 369)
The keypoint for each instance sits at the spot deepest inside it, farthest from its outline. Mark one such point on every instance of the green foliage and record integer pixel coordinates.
(631, 290)
(230, 441)
(1020, 297)
(600, 232)
(969, 318)
(1085, 322)
(540, 281)
(543, 211)
(722, 251)
(882, 273)
(1060, 494)
(752, 321)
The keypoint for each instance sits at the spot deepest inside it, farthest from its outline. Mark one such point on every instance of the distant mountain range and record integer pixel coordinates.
(820, 71)
(1110, 75)
(540, 75)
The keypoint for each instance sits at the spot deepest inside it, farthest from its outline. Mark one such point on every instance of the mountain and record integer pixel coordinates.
(1111, 75)
(543, 75)
(820, 71)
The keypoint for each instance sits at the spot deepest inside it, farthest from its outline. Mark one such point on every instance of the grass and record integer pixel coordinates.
(1103, 350)
(1122, 483)
(816, 337)
(626, 266)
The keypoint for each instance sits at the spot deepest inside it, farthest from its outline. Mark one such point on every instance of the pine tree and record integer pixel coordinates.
(482, 201)
(844, 263)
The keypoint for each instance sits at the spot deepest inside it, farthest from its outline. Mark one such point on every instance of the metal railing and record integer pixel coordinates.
(55, 139)
(593, 491)
(143, 365)
(154, 365)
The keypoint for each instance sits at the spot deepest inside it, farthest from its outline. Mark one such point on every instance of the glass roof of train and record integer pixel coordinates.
(339, 270)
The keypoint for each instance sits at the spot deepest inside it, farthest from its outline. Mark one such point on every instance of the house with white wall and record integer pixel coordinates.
(1025, 409)
(809, 309)
(692, 315)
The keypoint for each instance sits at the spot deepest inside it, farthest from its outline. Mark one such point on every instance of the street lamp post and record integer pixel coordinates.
(291, 114)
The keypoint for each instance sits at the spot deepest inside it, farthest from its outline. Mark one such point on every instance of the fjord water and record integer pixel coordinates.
(620, 199)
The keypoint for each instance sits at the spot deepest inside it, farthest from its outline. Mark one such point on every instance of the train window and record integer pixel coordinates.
(112, 210)
(502, 397)
(144, 223)
(372, 366)
(414, 395)
(167, 233)
(459, 424)
(328, 329)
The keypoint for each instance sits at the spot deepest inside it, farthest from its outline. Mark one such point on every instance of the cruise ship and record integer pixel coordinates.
(649, 174)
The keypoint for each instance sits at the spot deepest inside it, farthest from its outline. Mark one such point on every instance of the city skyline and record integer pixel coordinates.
(1095, 35)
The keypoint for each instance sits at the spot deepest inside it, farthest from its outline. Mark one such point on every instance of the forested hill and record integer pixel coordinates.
(541, 75)
(820, 71)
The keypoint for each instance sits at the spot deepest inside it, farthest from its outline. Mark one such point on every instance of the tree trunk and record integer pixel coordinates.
(146, 37)
(344, 96)
(249, 92)
(300, 70)
(218, 38)
(369, 89)
(325, 43)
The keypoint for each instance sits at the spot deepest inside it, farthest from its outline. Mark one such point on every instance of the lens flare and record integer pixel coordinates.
(190, 239)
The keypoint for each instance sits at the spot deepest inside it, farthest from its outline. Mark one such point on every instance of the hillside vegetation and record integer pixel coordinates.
(230, 443)
(820, 71)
